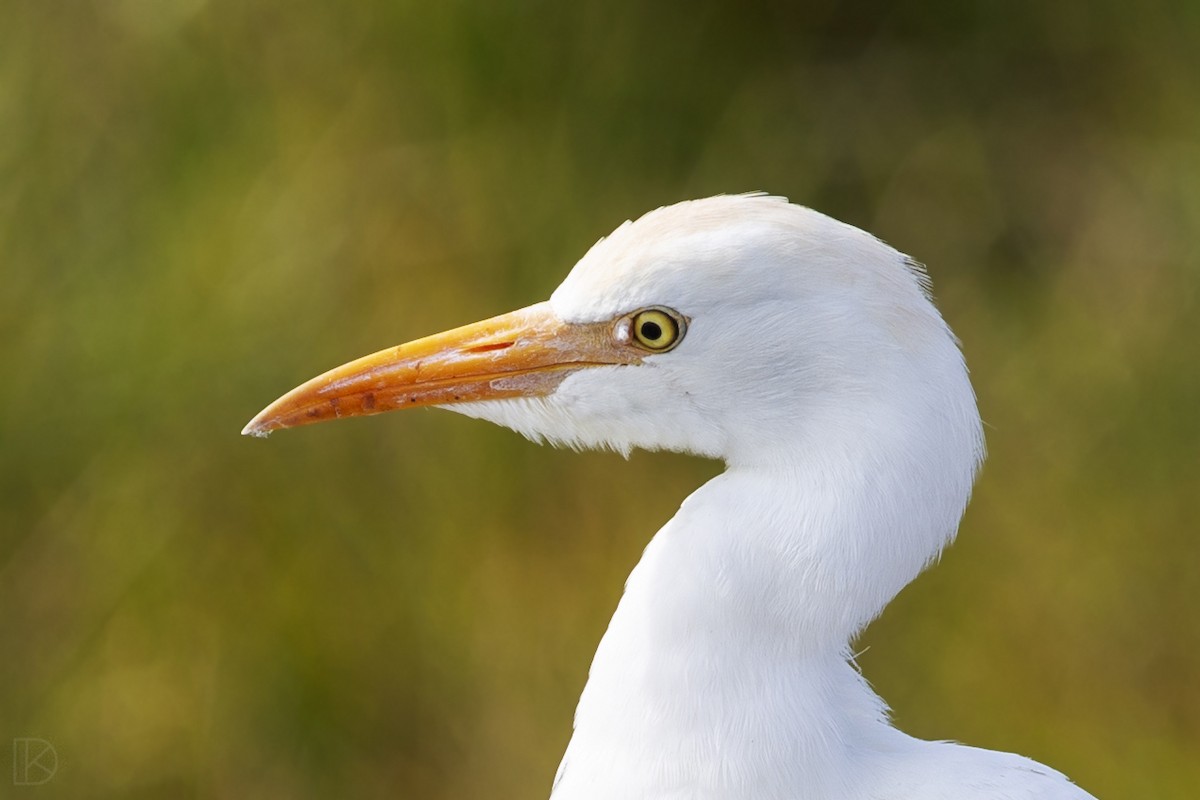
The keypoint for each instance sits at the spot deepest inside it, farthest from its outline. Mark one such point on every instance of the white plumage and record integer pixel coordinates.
(812, 361)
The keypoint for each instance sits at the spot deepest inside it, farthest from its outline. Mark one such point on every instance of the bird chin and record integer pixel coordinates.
(543, 420)
(538, 419)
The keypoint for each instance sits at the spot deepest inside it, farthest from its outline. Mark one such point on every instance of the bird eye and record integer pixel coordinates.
(657, 329)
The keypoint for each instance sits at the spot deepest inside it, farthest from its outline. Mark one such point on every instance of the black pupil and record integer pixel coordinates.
(651, 331)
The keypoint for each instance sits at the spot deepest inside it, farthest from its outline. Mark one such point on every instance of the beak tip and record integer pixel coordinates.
(257, 429)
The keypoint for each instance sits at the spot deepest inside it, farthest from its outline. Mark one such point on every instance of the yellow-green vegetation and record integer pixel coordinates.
(205, 202)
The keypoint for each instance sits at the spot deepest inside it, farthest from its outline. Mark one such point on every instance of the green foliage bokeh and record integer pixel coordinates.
(205, 202)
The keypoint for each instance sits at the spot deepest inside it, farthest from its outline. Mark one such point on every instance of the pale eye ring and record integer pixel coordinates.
(656, 329)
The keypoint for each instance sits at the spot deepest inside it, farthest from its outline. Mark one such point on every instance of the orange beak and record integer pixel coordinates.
(525, 353)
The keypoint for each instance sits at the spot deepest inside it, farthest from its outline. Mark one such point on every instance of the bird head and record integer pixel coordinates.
(736, 327)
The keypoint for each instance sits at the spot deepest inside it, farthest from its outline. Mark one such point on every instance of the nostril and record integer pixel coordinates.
(487, 348)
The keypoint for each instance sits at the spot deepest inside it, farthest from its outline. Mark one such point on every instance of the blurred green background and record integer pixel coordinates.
(205, 202)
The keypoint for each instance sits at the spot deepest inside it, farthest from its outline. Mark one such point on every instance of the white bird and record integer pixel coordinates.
(809, 357)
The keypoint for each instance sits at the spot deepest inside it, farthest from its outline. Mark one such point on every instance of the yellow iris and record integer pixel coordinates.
(656, 330)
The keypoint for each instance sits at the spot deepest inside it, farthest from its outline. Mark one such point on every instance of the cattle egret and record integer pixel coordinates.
(807, 355)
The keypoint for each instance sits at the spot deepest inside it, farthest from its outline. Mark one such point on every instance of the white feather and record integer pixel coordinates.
(816, 366)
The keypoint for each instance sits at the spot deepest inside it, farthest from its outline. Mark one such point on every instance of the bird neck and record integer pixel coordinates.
(730, 645)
